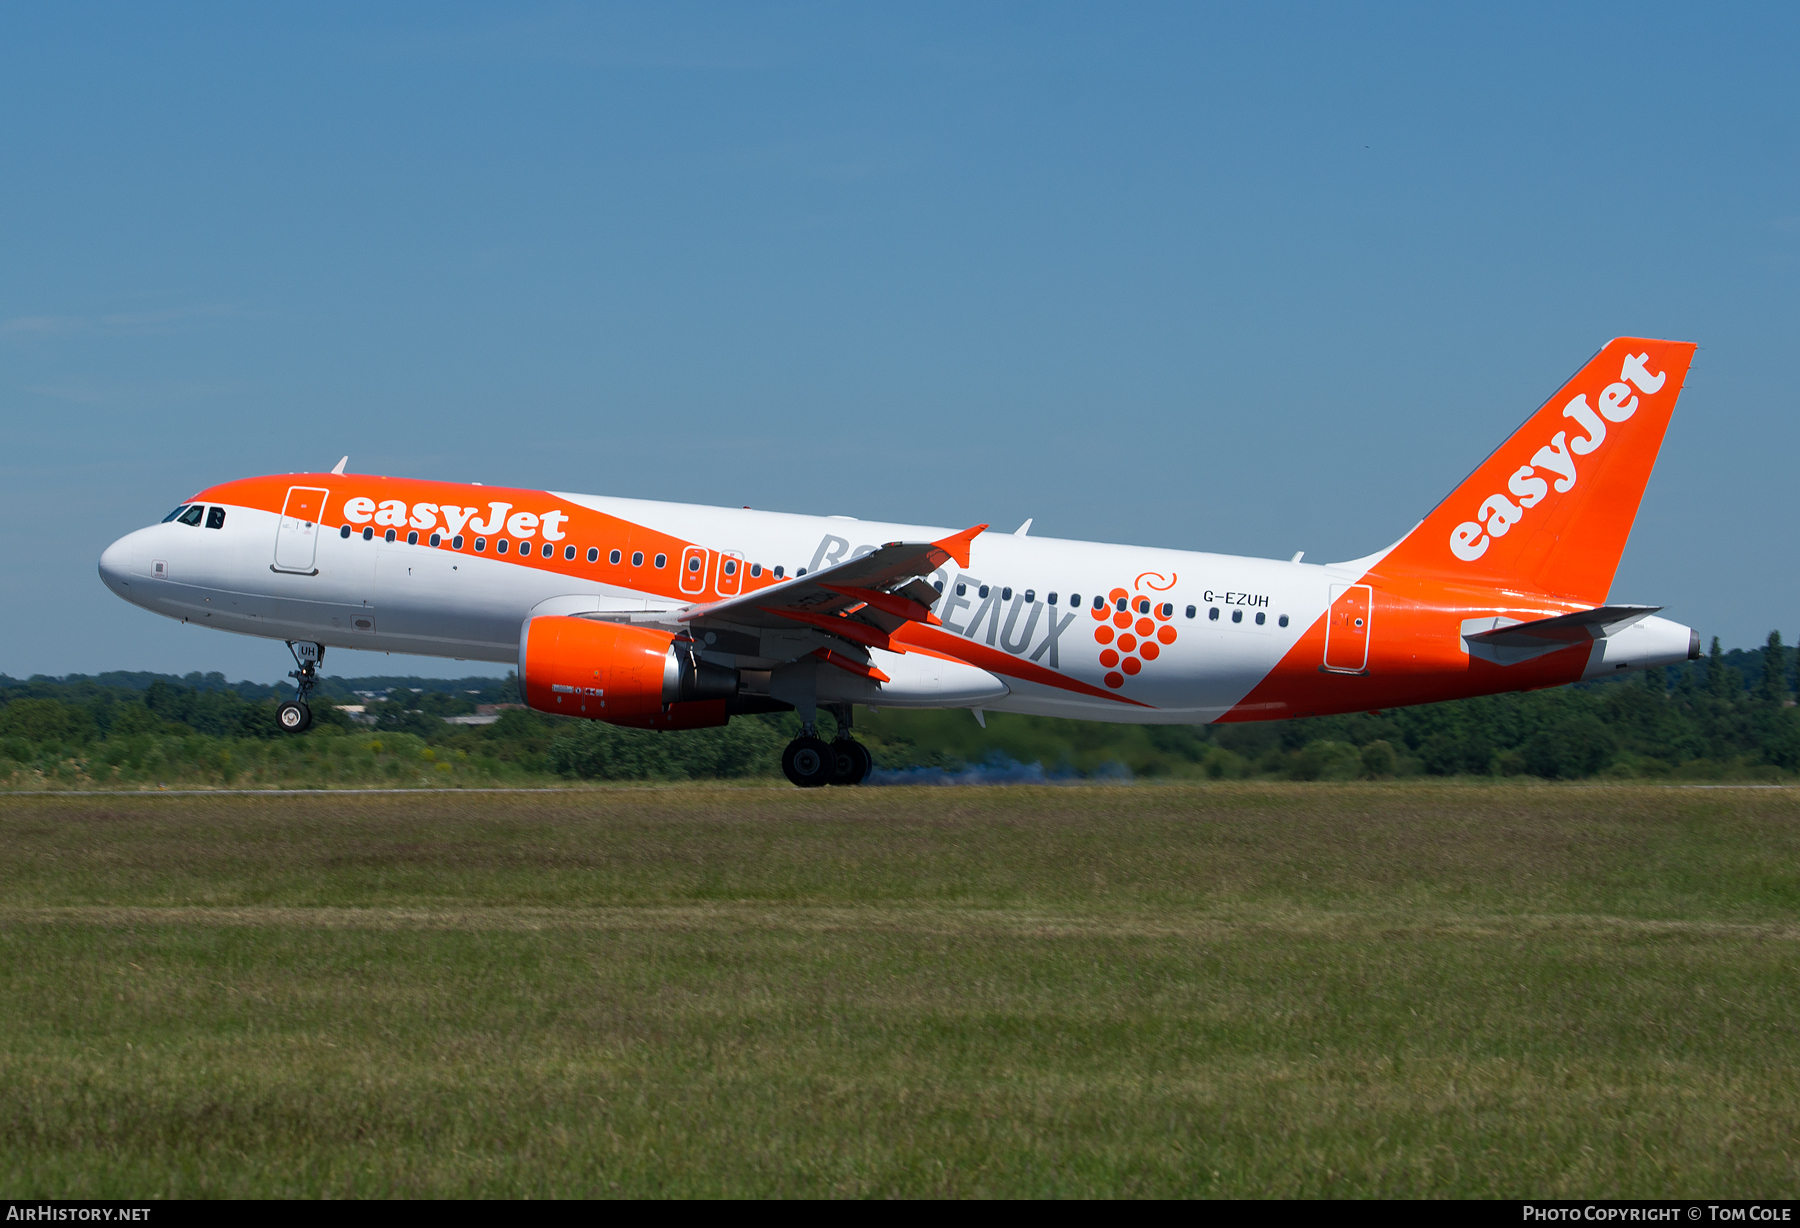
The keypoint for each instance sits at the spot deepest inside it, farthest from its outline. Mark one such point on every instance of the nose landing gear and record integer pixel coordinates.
(811, 762)
(295, 716)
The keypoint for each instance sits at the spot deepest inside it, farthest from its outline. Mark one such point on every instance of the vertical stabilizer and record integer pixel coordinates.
(1550, 510)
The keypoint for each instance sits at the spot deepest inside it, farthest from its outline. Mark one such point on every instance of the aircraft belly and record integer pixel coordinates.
(917, 680)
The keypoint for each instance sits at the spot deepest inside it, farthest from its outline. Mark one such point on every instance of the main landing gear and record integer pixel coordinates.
(295, 716)
(810, 762)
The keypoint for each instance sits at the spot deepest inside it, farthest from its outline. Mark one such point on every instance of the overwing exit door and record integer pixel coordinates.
(1347, 629)
(693, 570)
(731, 573)
(297, 534)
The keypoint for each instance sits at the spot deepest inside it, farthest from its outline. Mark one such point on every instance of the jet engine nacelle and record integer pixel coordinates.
(621, 674)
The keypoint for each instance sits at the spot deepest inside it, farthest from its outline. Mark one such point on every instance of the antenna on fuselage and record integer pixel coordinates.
(339, 467)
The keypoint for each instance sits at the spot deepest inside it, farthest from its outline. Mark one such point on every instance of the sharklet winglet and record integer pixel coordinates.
(957, 545)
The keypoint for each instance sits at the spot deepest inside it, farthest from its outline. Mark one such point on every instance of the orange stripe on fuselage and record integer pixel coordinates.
(1416, 653)
(582, 528)
(917, 637)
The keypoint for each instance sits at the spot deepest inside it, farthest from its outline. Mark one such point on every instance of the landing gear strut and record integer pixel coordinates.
(295, 716)
(810, 762)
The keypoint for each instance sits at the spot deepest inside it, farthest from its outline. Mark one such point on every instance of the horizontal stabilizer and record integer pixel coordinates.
(1507, 642)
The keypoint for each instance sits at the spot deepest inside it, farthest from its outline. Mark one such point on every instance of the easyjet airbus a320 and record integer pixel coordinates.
(672, 616)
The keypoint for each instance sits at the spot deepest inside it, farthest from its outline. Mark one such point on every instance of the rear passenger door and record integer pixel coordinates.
(1347, 629)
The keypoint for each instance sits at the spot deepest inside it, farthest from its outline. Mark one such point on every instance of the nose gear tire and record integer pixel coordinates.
(807, 762)
(293, 717)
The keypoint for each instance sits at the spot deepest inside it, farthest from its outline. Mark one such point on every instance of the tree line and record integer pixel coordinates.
(1729, 715)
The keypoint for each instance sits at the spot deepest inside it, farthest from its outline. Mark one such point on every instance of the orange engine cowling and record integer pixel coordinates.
(621, 674)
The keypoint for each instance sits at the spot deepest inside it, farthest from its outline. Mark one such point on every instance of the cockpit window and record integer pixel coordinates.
(215, 517)
(193, 514)
(175, 513)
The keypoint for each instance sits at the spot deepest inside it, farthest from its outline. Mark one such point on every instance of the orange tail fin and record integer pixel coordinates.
(1549, 511)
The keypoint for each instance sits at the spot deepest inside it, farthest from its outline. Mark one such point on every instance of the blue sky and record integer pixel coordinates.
(1254, 279)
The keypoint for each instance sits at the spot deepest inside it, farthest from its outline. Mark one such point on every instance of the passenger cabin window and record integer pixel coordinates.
(694, 563)
(1143, 605)
(192, 515)
(778, 571)
(1282, 621)
(613, 557)
(1212, 613)
(1168, 611)
(501, 545)
(730, 566)
(938, 585)
(480, 544)
(369, 534)
(1261, 618)
(962, 590)
(344, 532)
(637, 558)
(456, 542)
(549, 551)
(1030, 596)
(1051, 598)
(412, 538)
(1099, 602)
(1006, 594)
(568, 554)
(390, 535)
(215, 517)
(662, 560)
(1237, 616)
(982, 591)
(1074, 601)
(1191, 611)
(594, 554)
(436, 540)
(755, 570)
(175, 513)
(1121, 605)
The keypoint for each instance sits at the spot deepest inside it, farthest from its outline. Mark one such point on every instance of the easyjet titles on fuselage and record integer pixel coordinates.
(395, 513)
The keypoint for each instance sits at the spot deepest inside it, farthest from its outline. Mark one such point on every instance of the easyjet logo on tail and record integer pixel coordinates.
(1498, 514)
(394, 513)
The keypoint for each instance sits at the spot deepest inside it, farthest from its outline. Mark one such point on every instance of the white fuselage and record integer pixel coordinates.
(1233, 619)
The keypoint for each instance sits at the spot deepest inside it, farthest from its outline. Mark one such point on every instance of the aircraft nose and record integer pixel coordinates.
(115, 565)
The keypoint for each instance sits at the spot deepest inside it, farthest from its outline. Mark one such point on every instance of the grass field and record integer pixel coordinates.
(1410, 989)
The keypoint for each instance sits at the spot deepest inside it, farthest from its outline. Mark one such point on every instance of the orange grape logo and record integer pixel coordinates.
(1132, 632)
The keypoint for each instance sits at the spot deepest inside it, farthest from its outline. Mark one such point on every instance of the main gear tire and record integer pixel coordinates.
(850, 762)
(293, 717)
(807, 762)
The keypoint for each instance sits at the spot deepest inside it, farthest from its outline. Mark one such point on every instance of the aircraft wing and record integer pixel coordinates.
(862, 600)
